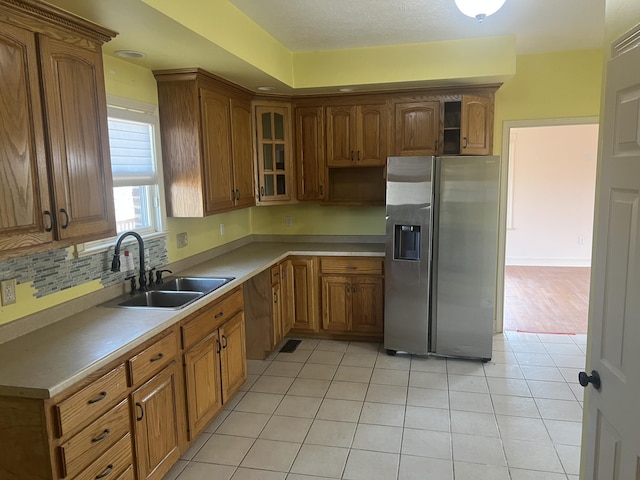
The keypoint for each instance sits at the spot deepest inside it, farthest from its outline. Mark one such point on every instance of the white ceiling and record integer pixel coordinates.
(539, 25)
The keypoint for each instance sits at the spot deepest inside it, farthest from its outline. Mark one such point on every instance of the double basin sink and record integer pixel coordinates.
(172, 294)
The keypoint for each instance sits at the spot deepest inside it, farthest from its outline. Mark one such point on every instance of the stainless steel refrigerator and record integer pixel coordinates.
(441, 255)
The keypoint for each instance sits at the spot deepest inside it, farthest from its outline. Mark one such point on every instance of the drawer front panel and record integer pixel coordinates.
(348, 265)
(92, 400)
(195, 330)
(153, 359)
(91, 442)
(111, 463)
(127, 475)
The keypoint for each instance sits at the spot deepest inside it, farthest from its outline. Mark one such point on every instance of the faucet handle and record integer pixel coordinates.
(151, 283)
(159, 276)
(133, 283)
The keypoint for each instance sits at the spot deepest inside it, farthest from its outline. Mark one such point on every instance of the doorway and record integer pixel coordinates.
(548, 221)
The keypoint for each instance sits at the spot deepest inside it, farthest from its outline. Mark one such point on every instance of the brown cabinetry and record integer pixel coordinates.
(357, 135)
(417, 127)
(214, 359)
(352, 295)
(157, 424)
(274, 138)
(304, 301)
(56, 181)
(205, 128)
(311, 167)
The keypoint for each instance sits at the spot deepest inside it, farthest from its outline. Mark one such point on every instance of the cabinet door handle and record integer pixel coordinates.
(224, 342)
(47, 213)
(100, 397)
(139, 405)
(101, 437)
(219, 314)
(218, 345)
(465, 142)
(237, 194)
(107, 471)
(321, 191)
(160, 356)
(358, 155)
(262, 191)
(275, 297)
(352, 155)
(66, 218)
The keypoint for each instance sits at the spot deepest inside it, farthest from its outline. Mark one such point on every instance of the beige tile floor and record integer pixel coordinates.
(346, 410)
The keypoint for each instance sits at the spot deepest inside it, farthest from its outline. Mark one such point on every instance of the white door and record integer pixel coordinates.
(612, 417)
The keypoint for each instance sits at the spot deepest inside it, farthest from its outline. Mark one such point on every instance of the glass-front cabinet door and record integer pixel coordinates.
(273, 142)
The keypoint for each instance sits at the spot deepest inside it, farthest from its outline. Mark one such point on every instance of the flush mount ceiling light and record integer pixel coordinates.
(346, 89)
(479, 9)
(130, 54)
(266, 88)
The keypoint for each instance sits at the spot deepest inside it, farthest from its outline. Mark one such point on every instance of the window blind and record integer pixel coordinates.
(131, 147)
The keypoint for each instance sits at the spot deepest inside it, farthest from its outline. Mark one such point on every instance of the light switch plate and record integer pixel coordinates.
(8, 290)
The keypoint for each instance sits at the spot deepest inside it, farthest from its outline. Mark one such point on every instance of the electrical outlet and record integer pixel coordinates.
(580, 240)
(182, 240)
(222, 229)
(8, 290)
(288, 221)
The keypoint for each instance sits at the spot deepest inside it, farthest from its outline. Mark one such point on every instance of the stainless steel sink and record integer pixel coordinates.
(174, 293)
(161, 299)
(194, 284)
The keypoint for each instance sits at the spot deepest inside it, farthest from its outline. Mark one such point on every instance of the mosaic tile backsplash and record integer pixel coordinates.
(54, 271)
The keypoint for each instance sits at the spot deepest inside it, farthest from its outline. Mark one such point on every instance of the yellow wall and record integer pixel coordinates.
(565, 84)
(550, 85)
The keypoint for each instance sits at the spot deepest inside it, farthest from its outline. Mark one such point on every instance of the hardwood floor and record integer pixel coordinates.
(546, 299)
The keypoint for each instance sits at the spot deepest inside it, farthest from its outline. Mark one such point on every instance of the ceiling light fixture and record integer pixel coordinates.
(130, 54)
(266, 88)
(479, 9)
(346, 89)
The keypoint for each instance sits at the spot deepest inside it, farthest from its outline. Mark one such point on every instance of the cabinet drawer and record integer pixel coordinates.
(275, 274)
(127, 475)
(153, 359)
(111, 463)
(92, 400)
(364, 266)
(195, 330)
(87, 445)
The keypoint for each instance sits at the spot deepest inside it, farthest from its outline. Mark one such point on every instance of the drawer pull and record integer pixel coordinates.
(218, 315)
(101, 437)
(160, 356)
(351, 267)
(107, 471)
(139, 405)
(100, 397)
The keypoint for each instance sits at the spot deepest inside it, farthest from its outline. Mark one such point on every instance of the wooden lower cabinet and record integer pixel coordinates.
(304, 301)
(215, 362)
(157, 424)
(233, 357)
(202, 377)
(352, 295)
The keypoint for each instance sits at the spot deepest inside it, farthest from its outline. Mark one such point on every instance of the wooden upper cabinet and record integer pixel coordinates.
(274, 152)
(357, 135)
(205, 126)
(476, 125)
(417, 127)
(242, 152)
(215, 112)
(310, 157)
(51, 74)
(75, 107)
(24, 191)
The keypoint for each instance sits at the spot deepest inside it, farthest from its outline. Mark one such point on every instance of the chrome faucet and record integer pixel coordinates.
(115, 263)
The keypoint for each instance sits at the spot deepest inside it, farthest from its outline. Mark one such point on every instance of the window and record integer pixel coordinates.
(135, 165)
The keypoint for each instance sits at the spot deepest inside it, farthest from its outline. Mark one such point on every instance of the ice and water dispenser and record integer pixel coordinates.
(407, 242)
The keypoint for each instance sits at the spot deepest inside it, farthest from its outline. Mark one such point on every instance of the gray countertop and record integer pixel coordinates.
(45, 362)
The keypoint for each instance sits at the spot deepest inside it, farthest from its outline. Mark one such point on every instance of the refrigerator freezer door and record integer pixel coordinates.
(465, 255)
(407, 260)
